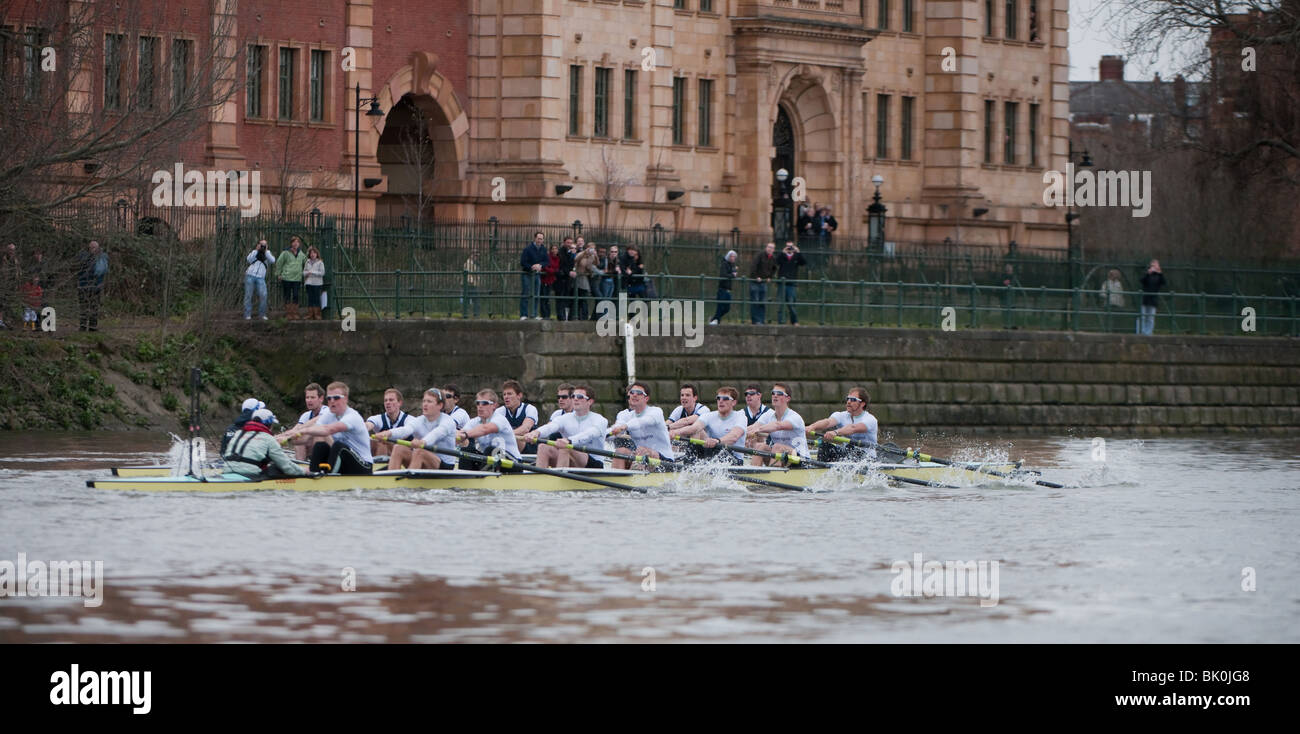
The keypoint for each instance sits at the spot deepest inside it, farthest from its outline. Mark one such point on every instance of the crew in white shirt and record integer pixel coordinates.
(392, 417)
(350, 452)
(688, 412)
(782, 425)
(579, 429)
(856, 423)
(431, 428)
(451, 405)
(563, 396)
(644, 424)
(722, 427)
(489, 431)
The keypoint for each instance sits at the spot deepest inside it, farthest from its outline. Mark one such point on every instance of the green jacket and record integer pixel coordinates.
(249, 450)
(289, 266)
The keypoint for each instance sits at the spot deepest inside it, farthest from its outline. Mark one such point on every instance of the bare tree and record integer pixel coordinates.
(416, 151)
(299, 189)
(611, 179)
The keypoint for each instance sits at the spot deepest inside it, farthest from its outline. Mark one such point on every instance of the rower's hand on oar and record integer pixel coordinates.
(830, 435)
(710, 442)
(616, 429)
(532, 436)
(561, 443)
(382, 435)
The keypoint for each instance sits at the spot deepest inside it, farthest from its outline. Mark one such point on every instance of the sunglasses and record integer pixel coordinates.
(332, 398)
(724, 397)
(853, 399)
(580, 396)
(636, 392)
(484, 402)
(563, 397)
(752, 392)
(780, 393)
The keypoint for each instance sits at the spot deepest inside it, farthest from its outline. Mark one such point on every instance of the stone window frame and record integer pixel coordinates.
(680, 142)
(120, 81)
(191, 74)
(263, 80)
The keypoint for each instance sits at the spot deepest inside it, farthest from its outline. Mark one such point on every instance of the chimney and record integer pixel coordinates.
(1180, 92)
(1112, 68)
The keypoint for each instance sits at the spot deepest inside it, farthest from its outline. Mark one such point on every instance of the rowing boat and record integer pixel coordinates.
(135, 472)
(495, 481)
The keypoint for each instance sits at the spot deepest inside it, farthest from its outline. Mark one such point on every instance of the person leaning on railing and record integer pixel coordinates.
(531, 261)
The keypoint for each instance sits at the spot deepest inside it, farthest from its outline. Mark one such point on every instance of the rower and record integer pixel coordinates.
(392, 417)
(644, 424)
(754, 409)
(254, 452)
(432, 427)
(521, 416)
(578, 429)
(314, 397)
(563, 396)
(350, 452)
(245, 414)
(451, 405)
(722, 427)
(491, 430)
(855, 422)
(782, 425)
(689, 411)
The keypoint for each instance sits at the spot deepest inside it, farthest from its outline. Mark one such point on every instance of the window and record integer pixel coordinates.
(882, 14)
(882, 125)
(146, 72)
(679, 4)
(679, 111)
(866, 125)
(905, 148)
(1033, 20)
(601, 129)
(112, 69)
(36, 39)
(988, 18)
(256, 86)
(288, 57)
(706, 112)
(1033, 135)
(1012, 112)
(319, 63)
(908, 9)
(1012, 11)
(989, 122)
(706, 6)
(629, 104)
(575, 100)
(5, 34)
(182, 52)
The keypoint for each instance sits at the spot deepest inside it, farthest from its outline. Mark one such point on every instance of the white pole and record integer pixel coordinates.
(629, 349)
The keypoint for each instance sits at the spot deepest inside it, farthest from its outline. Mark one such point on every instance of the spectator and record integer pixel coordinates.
(826, 226)
(585, 267)
(1152, 282)
(10, 278)
(38, 270)
(804, 223)
(547, 290)
(787, 267)
(313, 278)
(1112, 291)
(472, 281)
(531, 262)
(762, 271)
(614, 273)
(288, 269)
(1009, 284)
(90, 285)
(259, 260)
(634, 272)
(31, 301)
(564, 277)
(726, 272)
(604, 283)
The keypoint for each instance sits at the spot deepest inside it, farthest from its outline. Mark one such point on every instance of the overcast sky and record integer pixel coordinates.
(1094, 32)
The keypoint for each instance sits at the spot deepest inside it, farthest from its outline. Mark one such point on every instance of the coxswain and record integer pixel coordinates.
(245, 413)
(578, 429)
(254, 452)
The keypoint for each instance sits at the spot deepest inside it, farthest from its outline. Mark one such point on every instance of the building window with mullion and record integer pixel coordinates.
(256, 87)
(679, 110)
(182, 53)
(629, 104)
(288, 57)
(601, 127)
(1033, 135)
(112, 70)
(882, 14)
(146, 71)
(905, 118)
(1012, 11)
(990, 109)
(575, 99)
(706, 113)
(988, 17)
(319, 65)
(909, 24)
(1011, 114)
(882, 125)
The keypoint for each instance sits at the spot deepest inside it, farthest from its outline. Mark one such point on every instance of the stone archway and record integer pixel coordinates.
(817, 155)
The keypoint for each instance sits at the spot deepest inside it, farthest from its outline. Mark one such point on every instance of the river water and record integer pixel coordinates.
(1171, 540)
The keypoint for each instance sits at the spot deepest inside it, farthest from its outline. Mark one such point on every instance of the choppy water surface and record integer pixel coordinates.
(1149, 545)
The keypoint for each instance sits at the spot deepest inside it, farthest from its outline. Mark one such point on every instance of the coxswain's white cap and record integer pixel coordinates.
(253, 404)
(262, 415)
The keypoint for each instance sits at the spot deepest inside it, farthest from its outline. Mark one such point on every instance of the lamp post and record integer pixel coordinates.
(876, 218)
(781, 209)
(374, 111)
(1074, 252)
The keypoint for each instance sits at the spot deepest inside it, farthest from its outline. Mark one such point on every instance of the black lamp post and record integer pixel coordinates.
(781, 209)
(374, 111)
(876, 218)
(1073, 251)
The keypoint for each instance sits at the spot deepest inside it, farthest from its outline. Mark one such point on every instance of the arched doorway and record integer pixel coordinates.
(414, 149)
(782, 206)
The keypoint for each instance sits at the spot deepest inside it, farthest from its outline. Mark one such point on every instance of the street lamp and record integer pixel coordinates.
(1075, 253)
(781, 208)
(374, 111)
(876, 218)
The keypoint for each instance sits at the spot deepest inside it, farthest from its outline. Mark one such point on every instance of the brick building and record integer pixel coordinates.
(675, 112)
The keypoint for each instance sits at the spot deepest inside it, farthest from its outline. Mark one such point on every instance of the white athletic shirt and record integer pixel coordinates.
(584, 432)
(356, 437)
(648, 429)
(862, 440)
(796, 436)
(717, 426)
(441, 433)
(530, 411)
(381, 422)
(502, 438)
(556, 414)
(679, 412)
(308, 416)
(460, 416)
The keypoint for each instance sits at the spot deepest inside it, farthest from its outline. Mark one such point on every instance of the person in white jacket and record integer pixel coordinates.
(259, 261)
(644, 424)
(432, 428)
(579, 428)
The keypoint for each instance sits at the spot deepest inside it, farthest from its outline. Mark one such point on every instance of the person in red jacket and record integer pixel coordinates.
(549, 270)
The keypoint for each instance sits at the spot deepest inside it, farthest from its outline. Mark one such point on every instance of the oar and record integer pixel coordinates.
(968, 465)
(614, 455)
(796, 459)
(511, 464)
